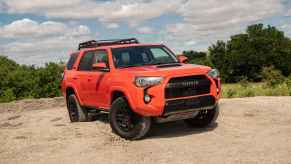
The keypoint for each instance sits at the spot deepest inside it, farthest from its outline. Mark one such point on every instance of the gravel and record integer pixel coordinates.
(249, 130)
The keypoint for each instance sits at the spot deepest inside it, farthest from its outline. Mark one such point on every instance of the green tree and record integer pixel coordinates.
(218, 57)
(48, 81)
(197, 57)
(21, 81)
(245, 55)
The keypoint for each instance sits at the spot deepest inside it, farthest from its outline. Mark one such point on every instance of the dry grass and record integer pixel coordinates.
(253, 89)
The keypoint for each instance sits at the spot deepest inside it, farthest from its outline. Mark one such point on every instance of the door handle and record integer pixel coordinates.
(75, 78)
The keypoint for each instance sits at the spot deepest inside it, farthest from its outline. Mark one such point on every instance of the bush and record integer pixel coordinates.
(244, 82)
(20, 81)
(230, 93)
(288, 83)
(253, 89)
(272, 76)
(7, 95)
(278, 90)
(248, 93)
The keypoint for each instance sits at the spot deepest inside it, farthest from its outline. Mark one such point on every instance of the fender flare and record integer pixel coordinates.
(76, 93)
(126, 94)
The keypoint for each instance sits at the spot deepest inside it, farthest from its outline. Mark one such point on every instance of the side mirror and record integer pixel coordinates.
(100, 66)
(182, 59)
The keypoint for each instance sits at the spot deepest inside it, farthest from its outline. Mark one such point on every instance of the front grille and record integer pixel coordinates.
(192, 103)
(187, 86)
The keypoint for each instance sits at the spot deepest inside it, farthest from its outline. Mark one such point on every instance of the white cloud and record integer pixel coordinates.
(191, 43)
(25, 39)
(44, 45)
(26, 6)
(40, 51)
(201, 23)
(81, 30)
(106, 11)
(202, 15)
(145, 30)
(112, 25)
(219, 14)
(288, 12)
(209, 20)
(28, 28)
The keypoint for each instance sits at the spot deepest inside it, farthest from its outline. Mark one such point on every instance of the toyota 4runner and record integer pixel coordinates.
(138, 84)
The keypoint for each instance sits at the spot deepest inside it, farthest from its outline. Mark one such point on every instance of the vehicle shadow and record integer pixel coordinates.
(102, 117)
(164, 130)
(176, 129)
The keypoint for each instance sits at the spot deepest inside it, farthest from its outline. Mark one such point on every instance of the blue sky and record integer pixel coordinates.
(40, 31)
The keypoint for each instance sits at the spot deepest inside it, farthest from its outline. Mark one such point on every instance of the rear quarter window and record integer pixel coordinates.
(72, 61)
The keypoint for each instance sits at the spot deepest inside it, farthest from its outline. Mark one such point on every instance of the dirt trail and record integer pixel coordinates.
(249, 130)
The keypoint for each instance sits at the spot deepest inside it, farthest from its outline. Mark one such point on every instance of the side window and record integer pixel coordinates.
(145, 57)
(91, 58)
(86, 62)
(100, 56)
(72, 61)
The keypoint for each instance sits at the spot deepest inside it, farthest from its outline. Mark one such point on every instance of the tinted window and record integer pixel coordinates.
(91, 58)
(72, 61)
(100, 56)
(142, 55)
(160, 55)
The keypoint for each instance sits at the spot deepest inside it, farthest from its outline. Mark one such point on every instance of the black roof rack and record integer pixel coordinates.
(98, 43)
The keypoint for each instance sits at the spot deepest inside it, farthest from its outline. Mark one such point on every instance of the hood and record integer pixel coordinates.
(166, 70)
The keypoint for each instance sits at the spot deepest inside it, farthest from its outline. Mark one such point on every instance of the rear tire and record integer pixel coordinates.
(76, 112)
(204, 118)
(125, 123)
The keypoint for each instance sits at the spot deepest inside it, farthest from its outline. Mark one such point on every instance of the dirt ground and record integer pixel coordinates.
(249, 130)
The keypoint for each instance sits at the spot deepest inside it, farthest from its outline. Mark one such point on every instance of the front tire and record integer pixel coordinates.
(125, 123)
(76, 112)
(204, 118)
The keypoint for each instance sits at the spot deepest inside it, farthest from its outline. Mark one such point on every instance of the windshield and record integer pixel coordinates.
(142, 55)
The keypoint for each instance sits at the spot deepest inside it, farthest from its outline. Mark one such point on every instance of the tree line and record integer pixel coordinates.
(245, 56)
(261, 53)
(22, 81)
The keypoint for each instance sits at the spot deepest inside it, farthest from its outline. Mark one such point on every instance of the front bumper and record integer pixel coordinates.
(161, 106)
(189, 105)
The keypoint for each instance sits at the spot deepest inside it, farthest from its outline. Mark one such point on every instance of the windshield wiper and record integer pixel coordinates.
(160, 63)
(157, 63)
(135, 65)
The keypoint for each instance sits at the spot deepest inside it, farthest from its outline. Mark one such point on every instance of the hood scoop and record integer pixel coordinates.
(169, 65)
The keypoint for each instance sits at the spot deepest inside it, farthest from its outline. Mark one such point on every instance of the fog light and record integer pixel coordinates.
(147, 98)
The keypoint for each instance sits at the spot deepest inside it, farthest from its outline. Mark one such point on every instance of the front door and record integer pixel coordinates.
(91, 80)
(98, 81)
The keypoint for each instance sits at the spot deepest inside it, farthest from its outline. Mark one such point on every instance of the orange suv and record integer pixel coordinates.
(138, 84)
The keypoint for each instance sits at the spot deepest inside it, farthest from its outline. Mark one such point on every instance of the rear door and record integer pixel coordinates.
(82, 76)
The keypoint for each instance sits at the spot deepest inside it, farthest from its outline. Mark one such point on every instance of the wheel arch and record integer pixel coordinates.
(71, 90)
(118, 92)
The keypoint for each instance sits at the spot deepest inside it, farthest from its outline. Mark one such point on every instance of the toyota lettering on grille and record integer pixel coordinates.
(185, 84)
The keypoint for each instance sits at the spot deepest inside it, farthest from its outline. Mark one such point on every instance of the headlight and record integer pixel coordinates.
(147, 81)
(214, 73)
